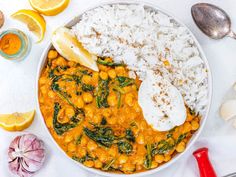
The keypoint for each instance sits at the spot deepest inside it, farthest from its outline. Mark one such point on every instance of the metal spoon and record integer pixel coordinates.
(212, 20)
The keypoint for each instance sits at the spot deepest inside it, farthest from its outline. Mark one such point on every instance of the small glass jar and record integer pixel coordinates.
(24, 48)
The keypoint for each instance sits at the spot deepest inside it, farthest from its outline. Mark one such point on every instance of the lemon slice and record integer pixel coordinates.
(49, 7)
(33, 20)
(16, 121)
(66, 43)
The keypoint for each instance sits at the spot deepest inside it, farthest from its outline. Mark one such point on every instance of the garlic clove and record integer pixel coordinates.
(228, 109)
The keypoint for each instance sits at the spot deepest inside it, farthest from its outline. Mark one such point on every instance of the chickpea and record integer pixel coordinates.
(97, 118)
(137, 107)
(154, 164)
(128, 167)
(167, 158)
(112, 99)
(112, 151)
(159, 158)
(122, 159)
(103, 75)
(112, 120)
(195, 125)
(83, 141)
(102, 157)
(61, 61)
(187, 127)
(69, 112)
(71, 147)
(140, 139)
(86, 79)
(103, 68)
(112, 74)
(81, 152)
(120, 70)
(42, 80)
(89, 112)
(139, 160)
(91, 145)
(49, 123)
(139, 167)
(98, 164)
(68, 138)
(87, 97)
(62, 118)
(89, 163)
(43, 89)
(71, 63)
(107, 113)
(80, 102)
(180, 147)
(129, 99)
(51, 94)
(52, 54)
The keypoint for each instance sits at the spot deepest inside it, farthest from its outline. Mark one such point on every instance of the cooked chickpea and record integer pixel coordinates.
(102, 157)
(68, 138)
(154, 164)
(83, 141)
(120, 70)
(180, 147)
(89, 112)
(112, 151)
(103, 75)
(136, 107)
(107, 113)
(112, 120)
(89, 163)
(128, 167)
(103, 68)
(129, 99)
(159, 158)
(49, 123)
(71, 63)
(112, 99)
(195, 125)
(167, 158)
(52, 54)
(43, 89)
(42, 80)
(87, 97)
(98, 164)
(71, 147)
(81, 152)
(187, 127)
(122, 159)
(139, 167)
(69, 112)
(112, 74)
(51, 94)
(86, 79)
(91, 145)
(140, 139)
(80, 102)
(97, 118)
(139, 160)
(61, 61)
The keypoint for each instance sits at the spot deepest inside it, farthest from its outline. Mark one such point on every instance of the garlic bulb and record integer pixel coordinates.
(26, 155)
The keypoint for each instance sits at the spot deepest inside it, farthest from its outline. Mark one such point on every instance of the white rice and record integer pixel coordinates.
(143, 39)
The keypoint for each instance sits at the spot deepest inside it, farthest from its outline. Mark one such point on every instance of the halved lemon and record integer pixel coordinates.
(49, 7)
(33, 20)
(16, 121)
(66, 43)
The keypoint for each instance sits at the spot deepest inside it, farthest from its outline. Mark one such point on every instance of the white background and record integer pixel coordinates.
(17, 88)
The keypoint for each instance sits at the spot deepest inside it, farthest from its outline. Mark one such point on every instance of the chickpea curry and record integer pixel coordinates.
(96, 119)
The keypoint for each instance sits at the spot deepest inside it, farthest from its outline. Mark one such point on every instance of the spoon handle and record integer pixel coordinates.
(232, 35)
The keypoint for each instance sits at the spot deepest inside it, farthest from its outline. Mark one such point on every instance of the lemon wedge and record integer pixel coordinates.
(16, 121)
(66, 43)
(33, 20)
(49, 7)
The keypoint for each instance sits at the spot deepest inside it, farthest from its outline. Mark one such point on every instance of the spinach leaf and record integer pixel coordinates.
(87, 87)
(124, 147)
(107, 63)
(102, 135)
(83, 159)
(180, 138)
(108, 165)
(129, 135)
(59, 127)
(102, 93)
(104, 121)
(125, 81)
(163, 147)
(148, 158)
(78, 139)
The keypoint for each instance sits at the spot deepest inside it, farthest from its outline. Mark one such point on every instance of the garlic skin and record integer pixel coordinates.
(228, 109)
(26, 155)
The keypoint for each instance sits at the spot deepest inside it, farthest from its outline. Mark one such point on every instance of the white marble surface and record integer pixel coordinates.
(17, 84)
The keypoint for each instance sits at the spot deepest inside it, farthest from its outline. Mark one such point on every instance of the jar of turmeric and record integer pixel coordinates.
(14, 44)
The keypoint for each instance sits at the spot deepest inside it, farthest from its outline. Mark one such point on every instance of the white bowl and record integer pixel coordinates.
(203, 120)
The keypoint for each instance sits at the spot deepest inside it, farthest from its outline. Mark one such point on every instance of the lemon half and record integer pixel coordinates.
(66, 43)
(16, 121)
(49, 7)
(33, 20)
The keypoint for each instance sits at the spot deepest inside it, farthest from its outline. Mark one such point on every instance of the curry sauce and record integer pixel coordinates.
(96, 119)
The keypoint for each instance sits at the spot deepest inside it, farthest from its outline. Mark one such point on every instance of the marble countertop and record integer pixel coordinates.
(17, 80)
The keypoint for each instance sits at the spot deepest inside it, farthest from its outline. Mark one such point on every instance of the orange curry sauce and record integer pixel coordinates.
(10, 44)
(96, 119)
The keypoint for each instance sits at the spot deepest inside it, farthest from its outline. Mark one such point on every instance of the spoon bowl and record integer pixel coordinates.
(212, 20)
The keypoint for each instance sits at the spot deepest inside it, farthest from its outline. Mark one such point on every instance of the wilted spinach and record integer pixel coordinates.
(125, 81)
(148, 157)
(102, 93)
(107, 63)
(124, 147)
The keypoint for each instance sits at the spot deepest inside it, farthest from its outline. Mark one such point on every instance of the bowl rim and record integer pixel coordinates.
(155, 7)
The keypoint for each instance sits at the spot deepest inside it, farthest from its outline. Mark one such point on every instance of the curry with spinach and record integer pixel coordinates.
(96, 119)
